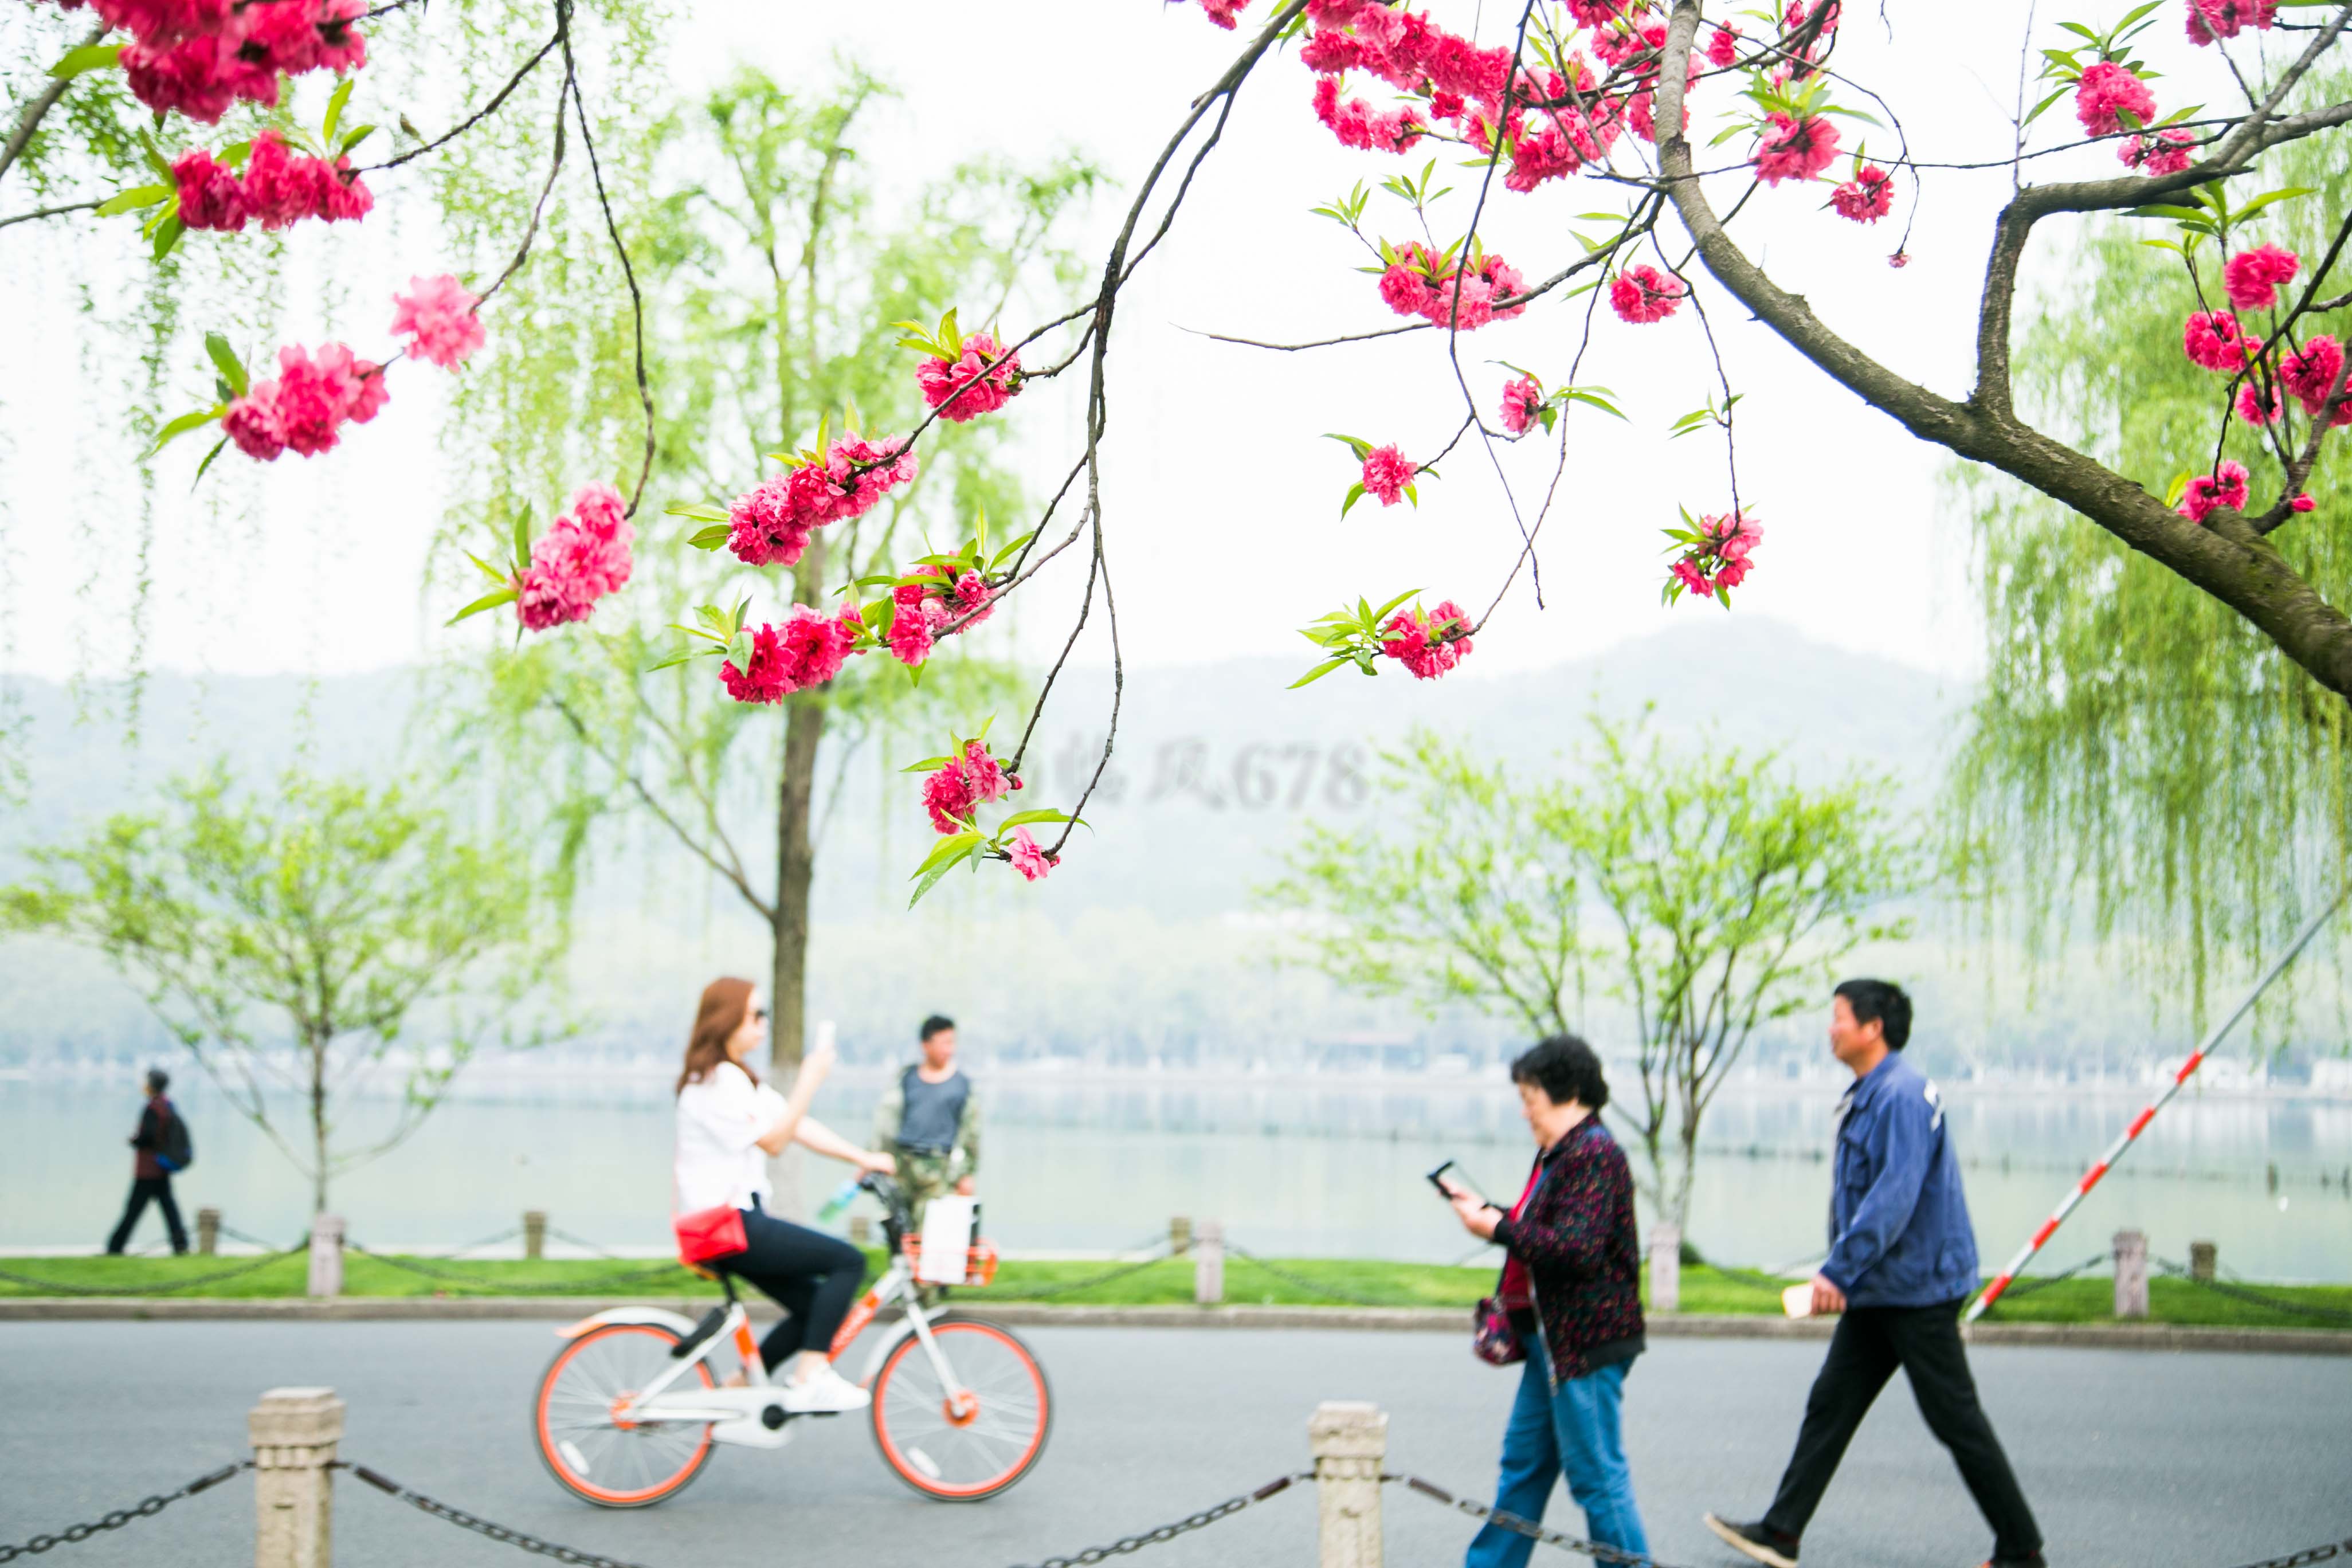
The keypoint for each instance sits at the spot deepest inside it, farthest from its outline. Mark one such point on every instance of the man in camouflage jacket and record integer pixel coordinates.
(928, 1119)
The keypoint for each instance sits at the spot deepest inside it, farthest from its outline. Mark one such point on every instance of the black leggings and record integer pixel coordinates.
(813, 1276)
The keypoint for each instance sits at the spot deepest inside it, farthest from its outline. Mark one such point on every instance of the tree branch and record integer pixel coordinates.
(44, 100)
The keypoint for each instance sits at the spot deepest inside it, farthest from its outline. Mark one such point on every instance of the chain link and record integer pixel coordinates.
(1126, 1544)
(2334, 1549)
(147, 1507)
(58, 1287)
(1300, 1282)
(500, 1287)
(2025, 1285)
(1068, 1286)
(1528, 1528)
(498, 1533)
(2255, 1298)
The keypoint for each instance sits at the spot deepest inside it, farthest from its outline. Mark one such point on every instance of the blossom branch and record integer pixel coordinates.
(628, 271)
(42, 102)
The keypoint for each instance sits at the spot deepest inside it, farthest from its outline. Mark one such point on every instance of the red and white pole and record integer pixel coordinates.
(2116, 1150)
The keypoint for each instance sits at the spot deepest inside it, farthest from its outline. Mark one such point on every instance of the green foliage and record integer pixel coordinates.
(287, 939)
(1702, 890)
(2142, 760)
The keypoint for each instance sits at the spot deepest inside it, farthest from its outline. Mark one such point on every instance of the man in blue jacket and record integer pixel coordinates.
(1902, 1259)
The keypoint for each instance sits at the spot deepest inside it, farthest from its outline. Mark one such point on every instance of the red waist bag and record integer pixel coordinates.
(709, 1233)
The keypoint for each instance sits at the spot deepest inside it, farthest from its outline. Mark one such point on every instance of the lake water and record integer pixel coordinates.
(1301, 1167)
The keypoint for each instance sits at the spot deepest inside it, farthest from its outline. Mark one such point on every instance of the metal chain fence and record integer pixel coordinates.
(60, 1288)
(2026, 1284)
(1126, 1544)
(1526, 1527)
(1070, 1287)
(1300, 1282)
(502, 1288)
(146, 1508)
(2332, 1550)
(2240, 1292)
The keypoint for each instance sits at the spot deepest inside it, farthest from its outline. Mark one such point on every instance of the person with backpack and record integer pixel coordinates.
(928, 1119)
(162, 1149)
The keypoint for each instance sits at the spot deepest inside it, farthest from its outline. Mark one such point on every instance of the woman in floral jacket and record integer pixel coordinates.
(1571, 1283)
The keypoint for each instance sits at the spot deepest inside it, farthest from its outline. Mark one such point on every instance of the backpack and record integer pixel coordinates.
(179, 1150)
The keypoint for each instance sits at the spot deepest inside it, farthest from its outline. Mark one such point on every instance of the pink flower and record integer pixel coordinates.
(581, 557)
(1595, 12)
(1736, 534)
(1642, 294)
(2225, 487)
(772, 522)
(1789, 150)
(1521, 398)
(985, 375)
(2166, 153)
(2211, 19)
(1026, 857)
(163, 21)
(969, 599)
(199, 77)
(2213, 339)
(210, 195)
(1221, 12)
(1867, 197)
(1387, 472)
(910, 629)
(252, 423)
(2106, 92)
(2303, 502)
(2311, 371)
(283, 187)
(1723, 47)
(1692, 578)
(303, 408)
(1357, 124)
(1418, 283)
(764, 681)
(2252, 278)
(1428, 643)
(953, 792)
(1405, 290)
(437, 315)
(2256, 407)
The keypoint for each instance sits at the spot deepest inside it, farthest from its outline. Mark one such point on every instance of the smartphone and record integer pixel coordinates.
(1440, 1185)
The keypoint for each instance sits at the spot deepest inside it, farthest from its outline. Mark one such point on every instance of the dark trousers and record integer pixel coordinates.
(1924, 1342)
(142, 1189)
(813, 1276)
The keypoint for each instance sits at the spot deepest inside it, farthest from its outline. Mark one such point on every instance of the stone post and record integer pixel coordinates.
(1180, 1233)
(326, 1255)
(1209, 1263)
(2131, 1274)
(534, 1233)
(2201, 1257)
(1667, 1269)
(1349, 1439)
(207, 1231)
(294, 1433)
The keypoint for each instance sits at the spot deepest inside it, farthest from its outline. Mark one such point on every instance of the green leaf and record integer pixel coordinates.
(1042, 814)
(232, 368)
(487, 602)
(492, 573)
(710, 538)
(1356, 444)
(950, 849)
(132, 200)
(1318, 672)
(930, 878)
(2036, 113)
(343, 95)
(927, 765)
(2267, 198)
(182, 426)
(353, 137)
(700, 510)
(1355, 494)
(521, 542)
(167, 234)
(86, 58)
(1383, 614)
(684, 656)
(206, 464)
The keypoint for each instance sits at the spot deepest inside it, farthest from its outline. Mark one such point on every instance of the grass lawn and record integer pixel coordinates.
(1301, 1282)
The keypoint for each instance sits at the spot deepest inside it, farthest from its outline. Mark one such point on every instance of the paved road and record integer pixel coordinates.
(2150, 1460)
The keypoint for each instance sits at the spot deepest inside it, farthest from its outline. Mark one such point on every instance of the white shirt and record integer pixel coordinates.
(719, 1122)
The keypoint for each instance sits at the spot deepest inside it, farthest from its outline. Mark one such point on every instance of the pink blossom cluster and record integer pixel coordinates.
(437, 317)
(1790, 148)
(982, 379)
(1732, 538)
(278, 187)
(198, 56)
(1032, 862)
(2166, 153)
(1427, 642)
(1723, 47)
(2107, 91)
(1387, 472)
(1642, 294)
(2252, 278)
(2310, 372)
(1221, 11)
(304, 407)
(772, 523)
(1640, 49)
(1865, 198)
(951, 793)
(1521, 399)
(924, 610)
(1422, 283)
(583, 556)
(2224, 487)
(2211, 19)
(1359, 125)
(808, 649)
(2213, 341)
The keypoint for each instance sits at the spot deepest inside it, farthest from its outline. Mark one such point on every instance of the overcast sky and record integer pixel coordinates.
(1223, 498)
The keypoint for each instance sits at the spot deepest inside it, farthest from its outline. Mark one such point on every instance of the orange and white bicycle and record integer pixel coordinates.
(629, 1410)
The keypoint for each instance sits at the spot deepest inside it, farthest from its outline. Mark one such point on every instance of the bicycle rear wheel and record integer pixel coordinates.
(586, 1446)
(972, 1441)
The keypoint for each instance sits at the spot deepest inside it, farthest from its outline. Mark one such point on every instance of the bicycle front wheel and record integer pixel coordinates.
(584, 1441)
(971, 1437)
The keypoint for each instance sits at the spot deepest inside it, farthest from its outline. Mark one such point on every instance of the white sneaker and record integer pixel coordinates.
(825, 1390)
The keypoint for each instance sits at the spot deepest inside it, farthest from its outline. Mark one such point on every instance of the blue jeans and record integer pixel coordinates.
(1576, 1433)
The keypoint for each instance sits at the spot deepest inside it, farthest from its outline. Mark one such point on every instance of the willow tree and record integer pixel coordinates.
(2142, 761)
(773, 280)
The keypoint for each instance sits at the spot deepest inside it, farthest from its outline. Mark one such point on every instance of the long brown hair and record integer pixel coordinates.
(724, 1003)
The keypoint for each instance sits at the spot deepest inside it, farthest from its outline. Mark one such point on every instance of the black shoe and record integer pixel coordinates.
(1768, 1546)
(2032, 1562)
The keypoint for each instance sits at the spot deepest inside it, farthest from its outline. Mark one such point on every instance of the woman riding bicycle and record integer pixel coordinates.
(729, 1122)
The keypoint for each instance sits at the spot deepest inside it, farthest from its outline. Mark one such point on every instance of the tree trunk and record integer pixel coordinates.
(318, 1050)
(796, 854)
